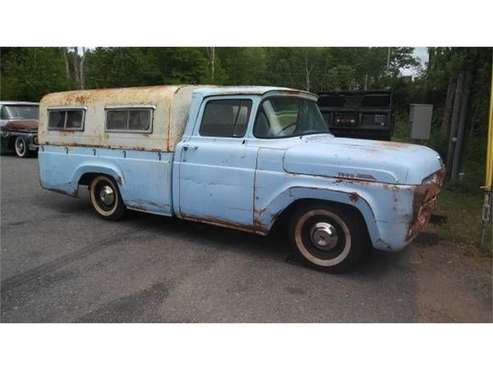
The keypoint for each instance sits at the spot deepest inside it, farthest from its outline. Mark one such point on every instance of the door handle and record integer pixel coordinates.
(186, 147)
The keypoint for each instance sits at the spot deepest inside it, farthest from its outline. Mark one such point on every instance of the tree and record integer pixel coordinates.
(119, 67)
(30, 73)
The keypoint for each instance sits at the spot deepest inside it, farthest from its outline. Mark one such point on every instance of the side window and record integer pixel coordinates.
(226, 118)
(129, 119)
(66, 119)
(3, 113)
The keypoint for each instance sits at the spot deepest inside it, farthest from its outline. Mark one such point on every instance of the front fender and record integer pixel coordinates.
(264, 218)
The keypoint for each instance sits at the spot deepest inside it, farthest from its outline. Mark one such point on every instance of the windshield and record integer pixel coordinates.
(288, 116)
(20, 111)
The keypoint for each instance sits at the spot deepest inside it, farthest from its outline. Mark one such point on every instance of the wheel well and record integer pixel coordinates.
(284, 216)
(86, 178)
(11, 142)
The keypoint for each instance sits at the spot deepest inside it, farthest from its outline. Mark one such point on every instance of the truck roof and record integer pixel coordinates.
(246, 90)
(153, 94)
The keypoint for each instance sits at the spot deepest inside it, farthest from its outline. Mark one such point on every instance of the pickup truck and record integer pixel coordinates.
(19, 128)
(245, 157)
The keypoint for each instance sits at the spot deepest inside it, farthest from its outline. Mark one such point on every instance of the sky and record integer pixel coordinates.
(422, 54)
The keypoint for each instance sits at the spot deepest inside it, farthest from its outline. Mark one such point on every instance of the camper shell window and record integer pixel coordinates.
(129, 119)
(66, 119)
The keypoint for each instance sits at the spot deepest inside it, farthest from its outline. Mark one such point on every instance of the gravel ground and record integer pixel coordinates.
(61, 263)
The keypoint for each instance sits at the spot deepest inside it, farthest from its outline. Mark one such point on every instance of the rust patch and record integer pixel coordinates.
(424, 202)
(136, 148)
(73, 194)
(394, 144)
(226, 224)
(81, 99)
(257, 214)
(353, 197)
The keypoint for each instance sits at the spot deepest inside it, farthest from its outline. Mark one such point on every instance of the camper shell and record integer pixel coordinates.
(169, 106)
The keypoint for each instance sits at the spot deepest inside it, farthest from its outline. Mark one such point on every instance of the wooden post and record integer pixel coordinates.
(487, 210)
(460, 130)
(455, 121)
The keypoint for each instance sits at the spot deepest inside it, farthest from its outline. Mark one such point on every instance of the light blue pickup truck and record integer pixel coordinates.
(242, 157)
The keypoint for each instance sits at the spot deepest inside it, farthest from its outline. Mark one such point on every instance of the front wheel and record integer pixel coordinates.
(21, 147)
(105, 198)
(329, 237)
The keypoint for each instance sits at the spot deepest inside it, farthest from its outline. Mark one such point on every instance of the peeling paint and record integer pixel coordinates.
(424, 202)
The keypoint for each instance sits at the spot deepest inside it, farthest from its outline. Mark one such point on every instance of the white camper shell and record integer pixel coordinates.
(169, 107)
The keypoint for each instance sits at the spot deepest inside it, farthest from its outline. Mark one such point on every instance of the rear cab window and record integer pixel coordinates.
(225, 118)
(66, 119)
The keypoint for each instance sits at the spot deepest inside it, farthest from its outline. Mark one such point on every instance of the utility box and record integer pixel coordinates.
(420, 120)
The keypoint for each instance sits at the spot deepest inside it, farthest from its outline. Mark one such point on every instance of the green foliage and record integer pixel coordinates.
(29, 73)
(241, 66)
(118, 67)
(444, 64)
(315, 69)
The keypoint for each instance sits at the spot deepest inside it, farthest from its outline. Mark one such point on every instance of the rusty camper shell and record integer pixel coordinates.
(169, 104)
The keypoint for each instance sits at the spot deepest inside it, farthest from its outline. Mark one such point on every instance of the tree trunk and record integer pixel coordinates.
(212, 61)
(308, 71)
(67, 66)
(449, 101)
(460, 129)
(455, 121)
(75, 65)
(82, 61)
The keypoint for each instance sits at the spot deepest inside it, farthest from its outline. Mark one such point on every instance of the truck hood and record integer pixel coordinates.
(381, 161)
(21, 125)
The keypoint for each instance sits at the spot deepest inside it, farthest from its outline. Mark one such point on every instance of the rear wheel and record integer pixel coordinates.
(329, 237)
(105, 198)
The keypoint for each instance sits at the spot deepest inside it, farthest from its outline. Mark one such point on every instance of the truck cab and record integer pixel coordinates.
(245, 157)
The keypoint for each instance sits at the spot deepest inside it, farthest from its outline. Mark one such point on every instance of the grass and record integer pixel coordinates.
(463, 212)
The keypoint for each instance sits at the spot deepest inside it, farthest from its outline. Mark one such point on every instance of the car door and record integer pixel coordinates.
(216, 176)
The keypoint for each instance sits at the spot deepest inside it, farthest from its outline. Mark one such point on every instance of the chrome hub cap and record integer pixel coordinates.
(20, 146)
(107, 195)
(324, 236)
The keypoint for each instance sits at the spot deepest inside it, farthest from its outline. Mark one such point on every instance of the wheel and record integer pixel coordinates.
(21, 147)
(105, 198)
(328, 237)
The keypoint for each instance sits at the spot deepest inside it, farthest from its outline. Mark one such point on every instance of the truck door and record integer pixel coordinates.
(217, 166)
